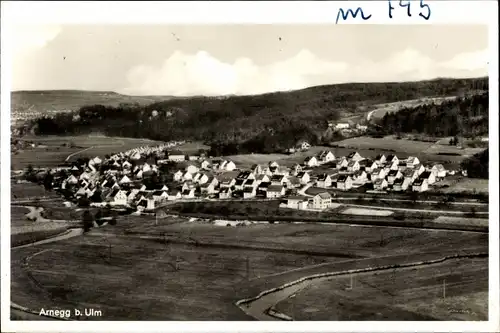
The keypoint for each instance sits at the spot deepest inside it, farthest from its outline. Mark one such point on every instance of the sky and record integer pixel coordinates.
(186, 60)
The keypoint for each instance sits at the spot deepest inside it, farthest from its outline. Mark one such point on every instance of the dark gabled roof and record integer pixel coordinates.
(393, 173)
(399, 181)
(342, 178)
(390, 157)
(275, 188)
(323, 176)
(248, 190)
(244, 174)
(425, 174)
(418, 181)
(175, 152)
(379, 156)
(239, 182)
(276, 178)
(265, 184)
(249, 181)
(324, 195)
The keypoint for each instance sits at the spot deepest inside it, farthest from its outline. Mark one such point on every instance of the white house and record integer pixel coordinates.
(438, 170)
(380, 159)
(429, 176)
(339, 126)
(326, 156)
(187, 176)
(304, 177)
(378, 173)
(354, 156)
(296, 202)
(120, 198)
(353, 166)
(124, 180)
(401, 184)
(178, 175)
(205, 165)
(392, 159)
(249, 192)
(324, 180)
(342, 163)
(311, 161)
(228, 166)
(275, 191)
(412, 162)
(380, 184)
(278, 180)
(420, 185)
(411, 174)
(225, 193)
(188, 193)
(419, 168)
(192, 169)
(344, 182)
(322, 201)
(177, 157)
(304, 146)
(393, 175)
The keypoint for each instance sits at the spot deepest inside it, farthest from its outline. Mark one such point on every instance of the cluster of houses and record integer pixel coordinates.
(124, 179)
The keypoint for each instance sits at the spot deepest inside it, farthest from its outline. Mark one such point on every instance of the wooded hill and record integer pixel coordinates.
(242, 124)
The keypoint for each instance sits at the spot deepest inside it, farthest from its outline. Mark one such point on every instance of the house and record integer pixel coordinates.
(208, 188)
(126, 165)
(188, 193)
(227, 179)
(438, 170)
(378, 173)
(293, 182)
(262, 178)
(120, 198)
(139, 174)
(278, 180)
(146, 168)
(205, 165)
(361, 127)
(228, 166)
(401, 184)
(393, 175)
(353, 166)
(225, 193)
(354, 156)
(178, 175)
(324, 180)
(412, 162)
(339, 126)
(275, 191)
(311, 161)
(322, 201)
(380, 184)
(342, 163)
(296, 168)
(296, 202)
(344, 182)
(263, 187)
(124, 180)
(360, 176)
(420, 185)
(250, 183)
(304, 145)
(392, 159)
(367, 165)
(175, 194)
(192, 169)
(256, 169)
(326, 156)
(187, 176)
(188, 185)
(244, 175)
(72, 180)
(135, 156)
(410, 174)
(380, 159)
(202, 178)
(429, 176)
(419, 168)
(238, 184)
(95, 161)
(176, 156)
(249, 192)
(160, 196)
(132, 194)
(304, 177)
(273, 164)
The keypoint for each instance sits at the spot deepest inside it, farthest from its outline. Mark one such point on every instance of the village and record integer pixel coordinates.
(147, 178)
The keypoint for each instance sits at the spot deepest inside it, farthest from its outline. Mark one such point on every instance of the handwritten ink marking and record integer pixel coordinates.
(354, 14)
(408, 11)
(423, 5)
(407, 5)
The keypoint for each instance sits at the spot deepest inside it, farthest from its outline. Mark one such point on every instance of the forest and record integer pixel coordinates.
(477, 165)
(465, 116)
(245, 124)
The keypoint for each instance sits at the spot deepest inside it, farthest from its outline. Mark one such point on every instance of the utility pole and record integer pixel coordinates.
(248, 268)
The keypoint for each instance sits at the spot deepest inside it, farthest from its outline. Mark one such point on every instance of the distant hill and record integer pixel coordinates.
(259, 123)
(40, 101)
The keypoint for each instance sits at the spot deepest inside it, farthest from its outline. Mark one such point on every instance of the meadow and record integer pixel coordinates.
(404, 294)
(181, 270)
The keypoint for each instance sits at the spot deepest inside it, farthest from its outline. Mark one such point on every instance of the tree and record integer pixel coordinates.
(47, 181)
(88, 221)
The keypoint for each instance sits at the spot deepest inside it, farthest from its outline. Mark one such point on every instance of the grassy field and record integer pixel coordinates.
(202, 269)
(468, 184)
(29, 190)
(404, 294)
(383, 109)
(53, 150)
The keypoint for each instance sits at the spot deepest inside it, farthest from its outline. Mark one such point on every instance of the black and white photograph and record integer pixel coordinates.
(249, 172)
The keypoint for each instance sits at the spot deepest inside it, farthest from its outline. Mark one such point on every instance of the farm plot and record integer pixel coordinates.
(452, 290)
(467, 185)
(367, 212)
(406, 147)
(383, 109)
(25, 191)
(125, 276)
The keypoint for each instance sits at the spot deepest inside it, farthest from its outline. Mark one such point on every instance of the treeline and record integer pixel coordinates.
(477, 165)
(466, 116)
(243, 124)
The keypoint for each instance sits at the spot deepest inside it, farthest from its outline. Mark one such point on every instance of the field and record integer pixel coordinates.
(54, 150)
(24, 191)
(181, 270)
(383, 109)
(403, 294)
(369, 212)
(468, 184)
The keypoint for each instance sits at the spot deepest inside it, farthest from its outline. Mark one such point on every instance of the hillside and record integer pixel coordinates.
(477, 165)
(41, 101)
(260, 123)
(466, 116)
